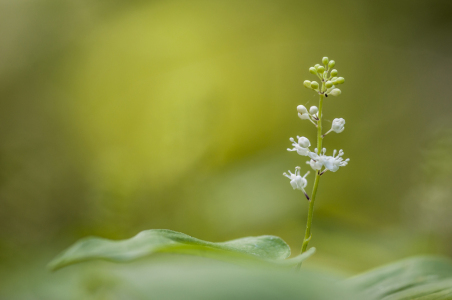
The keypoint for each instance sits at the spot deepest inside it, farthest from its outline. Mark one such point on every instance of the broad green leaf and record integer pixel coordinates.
(263, 248)
(421, 278)
(167, 278)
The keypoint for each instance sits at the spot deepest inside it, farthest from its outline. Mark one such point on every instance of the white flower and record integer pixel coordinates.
(331, 163)
(317, 161)
(338, 125)
(296, 181)
(302, 146)
(315, 164)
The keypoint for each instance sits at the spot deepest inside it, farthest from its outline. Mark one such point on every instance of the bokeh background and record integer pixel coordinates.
(120, 116)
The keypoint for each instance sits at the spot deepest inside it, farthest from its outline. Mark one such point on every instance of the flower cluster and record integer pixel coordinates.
(319, 161)
(331, 163)
(330, 80)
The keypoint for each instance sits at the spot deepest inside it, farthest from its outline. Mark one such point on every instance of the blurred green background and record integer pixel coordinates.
(120, 116)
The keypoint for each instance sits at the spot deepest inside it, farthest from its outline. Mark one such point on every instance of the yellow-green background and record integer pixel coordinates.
(120, 116)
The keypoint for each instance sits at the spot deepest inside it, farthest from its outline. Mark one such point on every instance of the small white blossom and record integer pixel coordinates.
(296, 181)
(302, 146)
(338, 125)
(317, 161)
(315, 164)
(331, 163)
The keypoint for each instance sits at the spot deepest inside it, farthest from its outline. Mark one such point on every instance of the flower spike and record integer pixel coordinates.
(319, 161)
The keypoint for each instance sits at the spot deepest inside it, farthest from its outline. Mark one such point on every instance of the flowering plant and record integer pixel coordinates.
(319, 161)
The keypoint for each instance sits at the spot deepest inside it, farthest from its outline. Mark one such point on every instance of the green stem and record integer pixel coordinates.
(307, 236)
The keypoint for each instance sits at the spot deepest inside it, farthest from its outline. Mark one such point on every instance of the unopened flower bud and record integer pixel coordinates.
(313, 110)
(314, 85)
(329, 84)
(338, 125)
(333, 79)
(321, 69)
(303, 116)
(335, 92)
(301, 109)
(316, 66)
(307, 84)
(304, 142)
(325, 60)
(331, 63)
(333, 73)
(313, 70)
(340, 80)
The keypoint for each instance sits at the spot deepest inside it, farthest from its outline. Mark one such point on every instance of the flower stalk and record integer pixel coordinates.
(320, 162)
(307, 236)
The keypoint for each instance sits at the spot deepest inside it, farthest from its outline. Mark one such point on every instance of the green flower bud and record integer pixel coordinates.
(333, 79)
(307, 84)
(313, 70)
(325, 60)
(333, 73)
(314, 85)
(329, 84)
(340, 80)
(331, 63)
(316, 66)
(321, 69)
(335, 92)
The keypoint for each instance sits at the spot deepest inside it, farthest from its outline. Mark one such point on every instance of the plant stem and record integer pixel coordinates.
(307, 236)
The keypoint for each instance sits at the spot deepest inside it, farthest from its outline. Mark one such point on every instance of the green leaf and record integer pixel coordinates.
(262, 248)
(421, 278)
